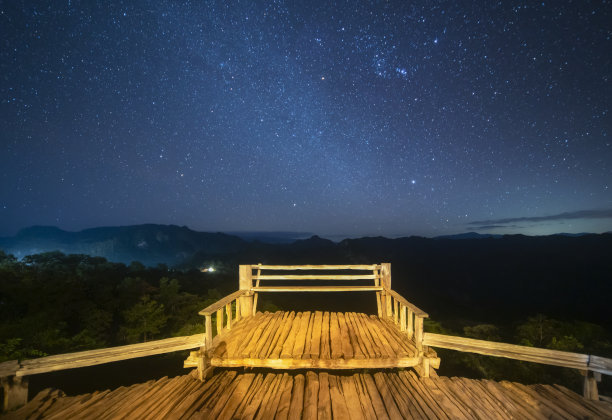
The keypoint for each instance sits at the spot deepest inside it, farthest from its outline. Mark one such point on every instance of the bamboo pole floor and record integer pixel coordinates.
(310, 340)
(269, 394)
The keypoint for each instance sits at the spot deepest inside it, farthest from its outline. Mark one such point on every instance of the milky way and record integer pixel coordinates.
(354, 118)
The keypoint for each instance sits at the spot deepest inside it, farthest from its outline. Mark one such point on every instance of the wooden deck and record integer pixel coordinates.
(312, 340)
(324, 395)
(288, 365)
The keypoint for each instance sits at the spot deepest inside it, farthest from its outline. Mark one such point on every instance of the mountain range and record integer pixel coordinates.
(466, 274)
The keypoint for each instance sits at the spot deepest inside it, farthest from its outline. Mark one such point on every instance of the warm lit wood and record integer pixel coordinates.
(410, 323)
(317, 277)
(234, 394)
(329, 341)
(220, 320)
(316, 267)
(208, 330)
(511, 351)
(8, 368)
(418, 332)
(409, 305)
(318, 363)
(228, 314)
(211, 309)
(111, 354)
(317, 289)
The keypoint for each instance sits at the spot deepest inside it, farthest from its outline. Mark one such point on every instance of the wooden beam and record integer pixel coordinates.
(410, 323)
(418, 332)
(600, 364)
(318, 277)
(8, 368)
(385, 275)
(246, 305)
(317, 289)
(316, 267)
(220, 321)
(208, 330)
(228, 313)
(111, 354)
(417, 311)
(386, 363)
(211, 309)
(15, 392)
(589, 390)
(395, 311)
(510, 351)
(245, 277)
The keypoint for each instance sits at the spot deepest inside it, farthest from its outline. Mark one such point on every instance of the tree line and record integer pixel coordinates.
(52, 303)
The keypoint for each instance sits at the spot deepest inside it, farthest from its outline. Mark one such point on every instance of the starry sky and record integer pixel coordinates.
(338, 118)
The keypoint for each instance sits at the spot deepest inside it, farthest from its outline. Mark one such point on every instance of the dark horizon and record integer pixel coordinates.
(290, 236)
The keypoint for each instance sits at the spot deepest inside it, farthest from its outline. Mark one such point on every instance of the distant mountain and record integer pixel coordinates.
(469, 235)
(479, 276)
(149, 244)
(275, 237)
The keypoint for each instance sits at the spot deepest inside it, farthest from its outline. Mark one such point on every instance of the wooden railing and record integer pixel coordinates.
(406, 315)
(14, 373)
(233, 306)
(390, 304)
(591, 366)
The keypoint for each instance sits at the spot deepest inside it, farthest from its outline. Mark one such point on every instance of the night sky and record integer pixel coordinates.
(337, 118)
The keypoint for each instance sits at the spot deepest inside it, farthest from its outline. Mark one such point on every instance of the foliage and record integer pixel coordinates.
(145, 319)
(535, 331)
(54, 303)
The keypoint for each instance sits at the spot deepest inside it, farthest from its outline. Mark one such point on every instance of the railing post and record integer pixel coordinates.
(590, 385)
(418, 332)
(209, 336)
(410, 323)
(395, 311)
(15, 392)
(228, 313)
(385, 277)
(237, 309)
(403, 318)
(246, 283)
(379, 299)
(219, 321)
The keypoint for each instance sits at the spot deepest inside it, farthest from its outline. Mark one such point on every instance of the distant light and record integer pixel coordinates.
(210, 269)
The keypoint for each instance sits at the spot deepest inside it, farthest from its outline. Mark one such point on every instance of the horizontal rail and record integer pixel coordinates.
(385, 363)
(316, 267)
(417, 311)
(318, 289)
(209, 310)
(600, 364)
(317, 277)
(107, 355)
(8, 368)
(525, 353)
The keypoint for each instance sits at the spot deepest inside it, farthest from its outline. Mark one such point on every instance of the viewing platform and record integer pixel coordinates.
(314, 340)
(317, 340)
(312, 364)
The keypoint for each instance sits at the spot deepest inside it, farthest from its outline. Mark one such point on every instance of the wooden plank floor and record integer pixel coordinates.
(304, 340)
(317, 394)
